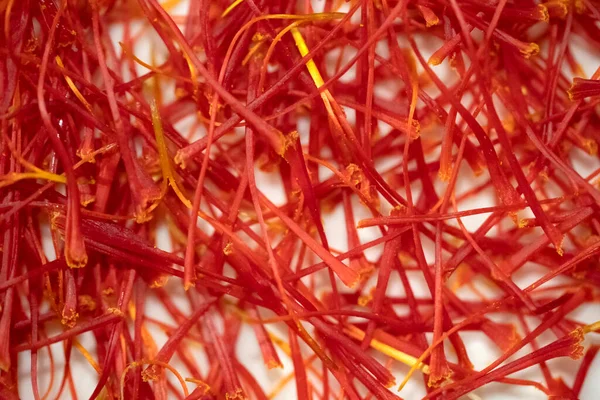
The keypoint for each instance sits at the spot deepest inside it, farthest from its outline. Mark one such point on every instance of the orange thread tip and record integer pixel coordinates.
(530, 50)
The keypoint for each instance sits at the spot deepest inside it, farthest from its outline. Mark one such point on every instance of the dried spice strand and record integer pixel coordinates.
(334, 188)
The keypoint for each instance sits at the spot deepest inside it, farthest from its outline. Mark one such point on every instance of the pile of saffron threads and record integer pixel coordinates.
(364, 194)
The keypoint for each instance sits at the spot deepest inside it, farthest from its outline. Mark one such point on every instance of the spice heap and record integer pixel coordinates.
(315, 169)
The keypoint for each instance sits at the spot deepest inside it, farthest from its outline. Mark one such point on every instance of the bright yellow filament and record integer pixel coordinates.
(592, 327)
(165, 164)
(127, 51)
(231, 7)
(72, 86)
(307, 17)
(317, 78)
(11, 178)
(87, 355)
(193, 72)
(389, 351)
